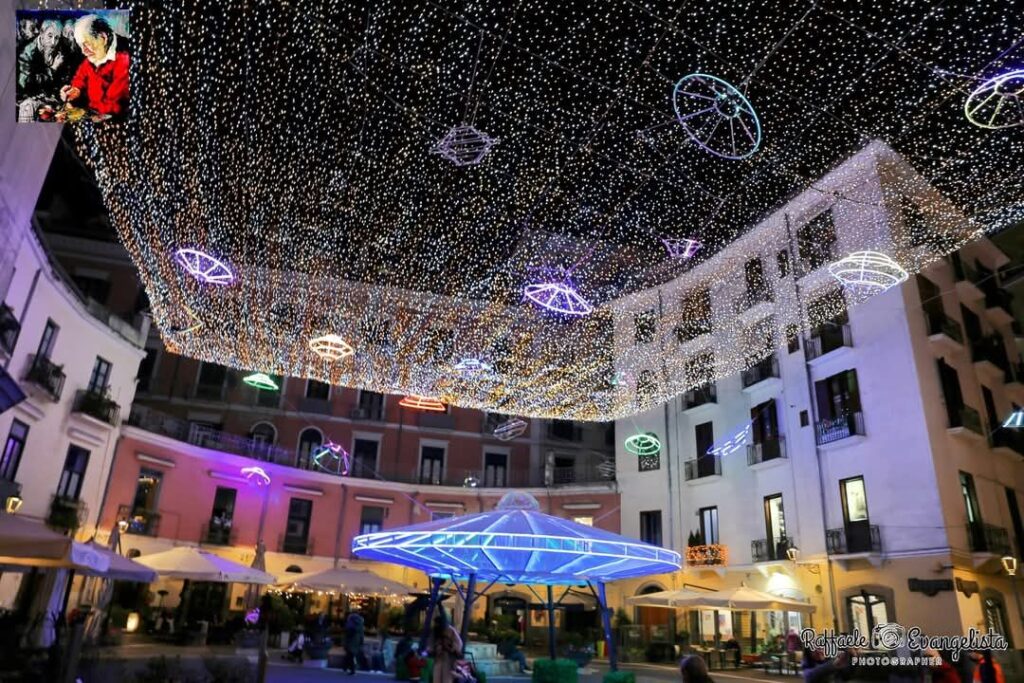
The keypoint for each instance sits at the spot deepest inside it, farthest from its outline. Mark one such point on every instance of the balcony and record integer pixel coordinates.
(835, 429)
(853, 540)
(319, 406)
(367, 413)
(436, 420)
(10, 328)
(209, 392)
(703, 467)
(826, 339)
(988, 538)
(763, 551)
(763, 370)
(710, 555)
(966, 421)
(1009, 440)
(944, 330)
(564, 430)
(218, 532)
(967, 279)
(65, 514)
(97, 405)
(706, 395)
(751, 298)
(998, 304)
(140, 522)
(296, 545)
(46, 375)
(766, 451)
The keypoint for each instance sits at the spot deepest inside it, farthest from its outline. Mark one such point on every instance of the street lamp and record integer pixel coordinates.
(13, 504)
(1010, 566)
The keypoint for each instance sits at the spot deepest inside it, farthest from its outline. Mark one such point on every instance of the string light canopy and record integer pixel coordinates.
(427, 404)
(261, 381)
(643, 444)
(415, 261)
(868, 270)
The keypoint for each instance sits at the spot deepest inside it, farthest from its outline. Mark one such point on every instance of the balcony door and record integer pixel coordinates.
(990, 410)
(775, 526)
(296, 535)
(709, 525)
(364, 458)
(975, 525)
(496, 469)
(222, 516)
(705, 436)
(765, 429)
(838, 396)
(856, 524)
(950, 382)
(48, 339)
(431, 465)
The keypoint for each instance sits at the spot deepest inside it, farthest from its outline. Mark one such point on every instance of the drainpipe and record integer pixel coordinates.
(668, 459)
(341, 522)
(817, 450)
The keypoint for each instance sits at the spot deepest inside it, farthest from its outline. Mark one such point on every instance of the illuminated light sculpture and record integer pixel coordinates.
(261, 381)
(510, 429)
(473, 366)
(330, 347)
(681, 248)
(332, 458)
(732, 444)
(558, 297)
(717, 116)
(868, 271)
(998, 102)
(425, 403)
(189, 322)
(643, 444)
(256, 475)
(204, 267)
(1015, 419)
(470, 482)
(465, 145)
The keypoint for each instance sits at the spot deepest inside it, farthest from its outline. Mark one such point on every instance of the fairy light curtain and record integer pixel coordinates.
(301, 154)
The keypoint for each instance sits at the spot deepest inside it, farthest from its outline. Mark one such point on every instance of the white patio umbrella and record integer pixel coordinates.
(120, 567)
(186, 562)
(343, 580)
(741, 598)
(27, 543)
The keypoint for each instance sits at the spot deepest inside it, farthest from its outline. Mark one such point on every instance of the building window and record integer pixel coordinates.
(758, 289)
(371, 519)
(855, 500)
(70, 485)
(496, 470)
(650, 527)
(147, 491)
(364, 458)
(1015, 519)
(704, 433)
(222, 516)
(263, 433)
(709, 524)
(587, 520)
(309, 440)
(431, 464)
(644, 327)
(296, 535)
(816, 241)
(271, 399)
(99, 380)
(93, 288)
(13, 449)
(48, 340)
(995, 615)
(320, 391)
(371, 405)
(210, 383)
(696, 312)
(792, 338)
(838, 399)
(866, 610)
(648, 463)
(144, 377)
(775, 524)
(782, 259)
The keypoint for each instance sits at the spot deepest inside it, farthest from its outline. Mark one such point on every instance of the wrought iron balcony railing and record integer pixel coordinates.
(46, 374)
(988, 538)
(843, 541)
(764, 369)
(1008, 438)
(940, 323)
(826, 339)
(98, 405)
(702, 395)
(141, 522)
(834, 429)
(218, 532)
(765, 450)
(65, 514)
(761, 550)
(704, 466)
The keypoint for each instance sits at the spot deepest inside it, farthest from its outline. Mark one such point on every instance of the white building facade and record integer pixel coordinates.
(861, 467)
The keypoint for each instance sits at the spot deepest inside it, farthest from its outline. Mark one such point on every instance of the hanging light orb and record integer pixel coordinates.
(332, 458)
(643, 444)
(470, 482)
(261, 381)
(558, 297)
(510, 429)
(869, 271)
(425, 403)
(204, 267)
(998, 102)
(330, 347)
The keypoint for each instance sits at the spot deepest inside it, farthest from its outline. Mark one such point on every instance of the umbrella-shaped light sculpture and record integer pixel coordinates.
(517, 543)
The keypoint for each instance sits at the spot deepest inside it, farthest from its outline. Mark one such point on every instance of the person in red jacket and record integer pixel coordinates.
(100, 85)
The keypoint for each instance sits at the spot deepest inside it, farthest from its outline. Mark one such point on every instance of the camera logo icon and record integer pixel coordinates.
(888, 636)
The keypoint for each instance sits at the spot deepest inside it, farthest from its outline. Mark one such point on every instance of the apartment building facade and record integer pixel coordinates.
(861, 466)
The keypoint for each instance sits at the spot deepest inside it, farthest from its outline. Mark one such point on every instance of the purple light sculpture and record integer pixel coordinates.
(204, 267)
(559, 297)
(256, 475)
(681, 247)
(332, 458)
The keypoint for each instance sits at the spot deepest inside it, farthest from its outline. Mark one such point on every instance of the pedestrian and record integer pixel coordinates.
(819, 669)
(445, 648)
(989, 670)
(353, 641)
(694, 669)
(296, 648)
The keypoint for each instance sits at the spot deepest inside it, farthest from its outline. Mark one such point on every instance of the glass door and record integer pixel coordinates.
(855, 515)
(775, 526)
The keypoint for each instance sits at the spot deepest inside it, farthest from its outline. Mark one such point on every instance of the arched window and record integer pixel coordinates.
(263, 432)
(293, 569)
(866, 610)
(309, 440)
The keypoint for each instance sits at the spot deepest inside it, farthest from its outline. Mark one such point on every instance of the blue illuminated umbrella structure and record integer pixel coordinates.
(517, 543)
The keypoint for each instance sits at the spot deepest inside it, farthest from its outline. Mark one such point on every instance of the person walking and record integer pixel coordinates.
(445, 648)
(694, 669)
(353, 641)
